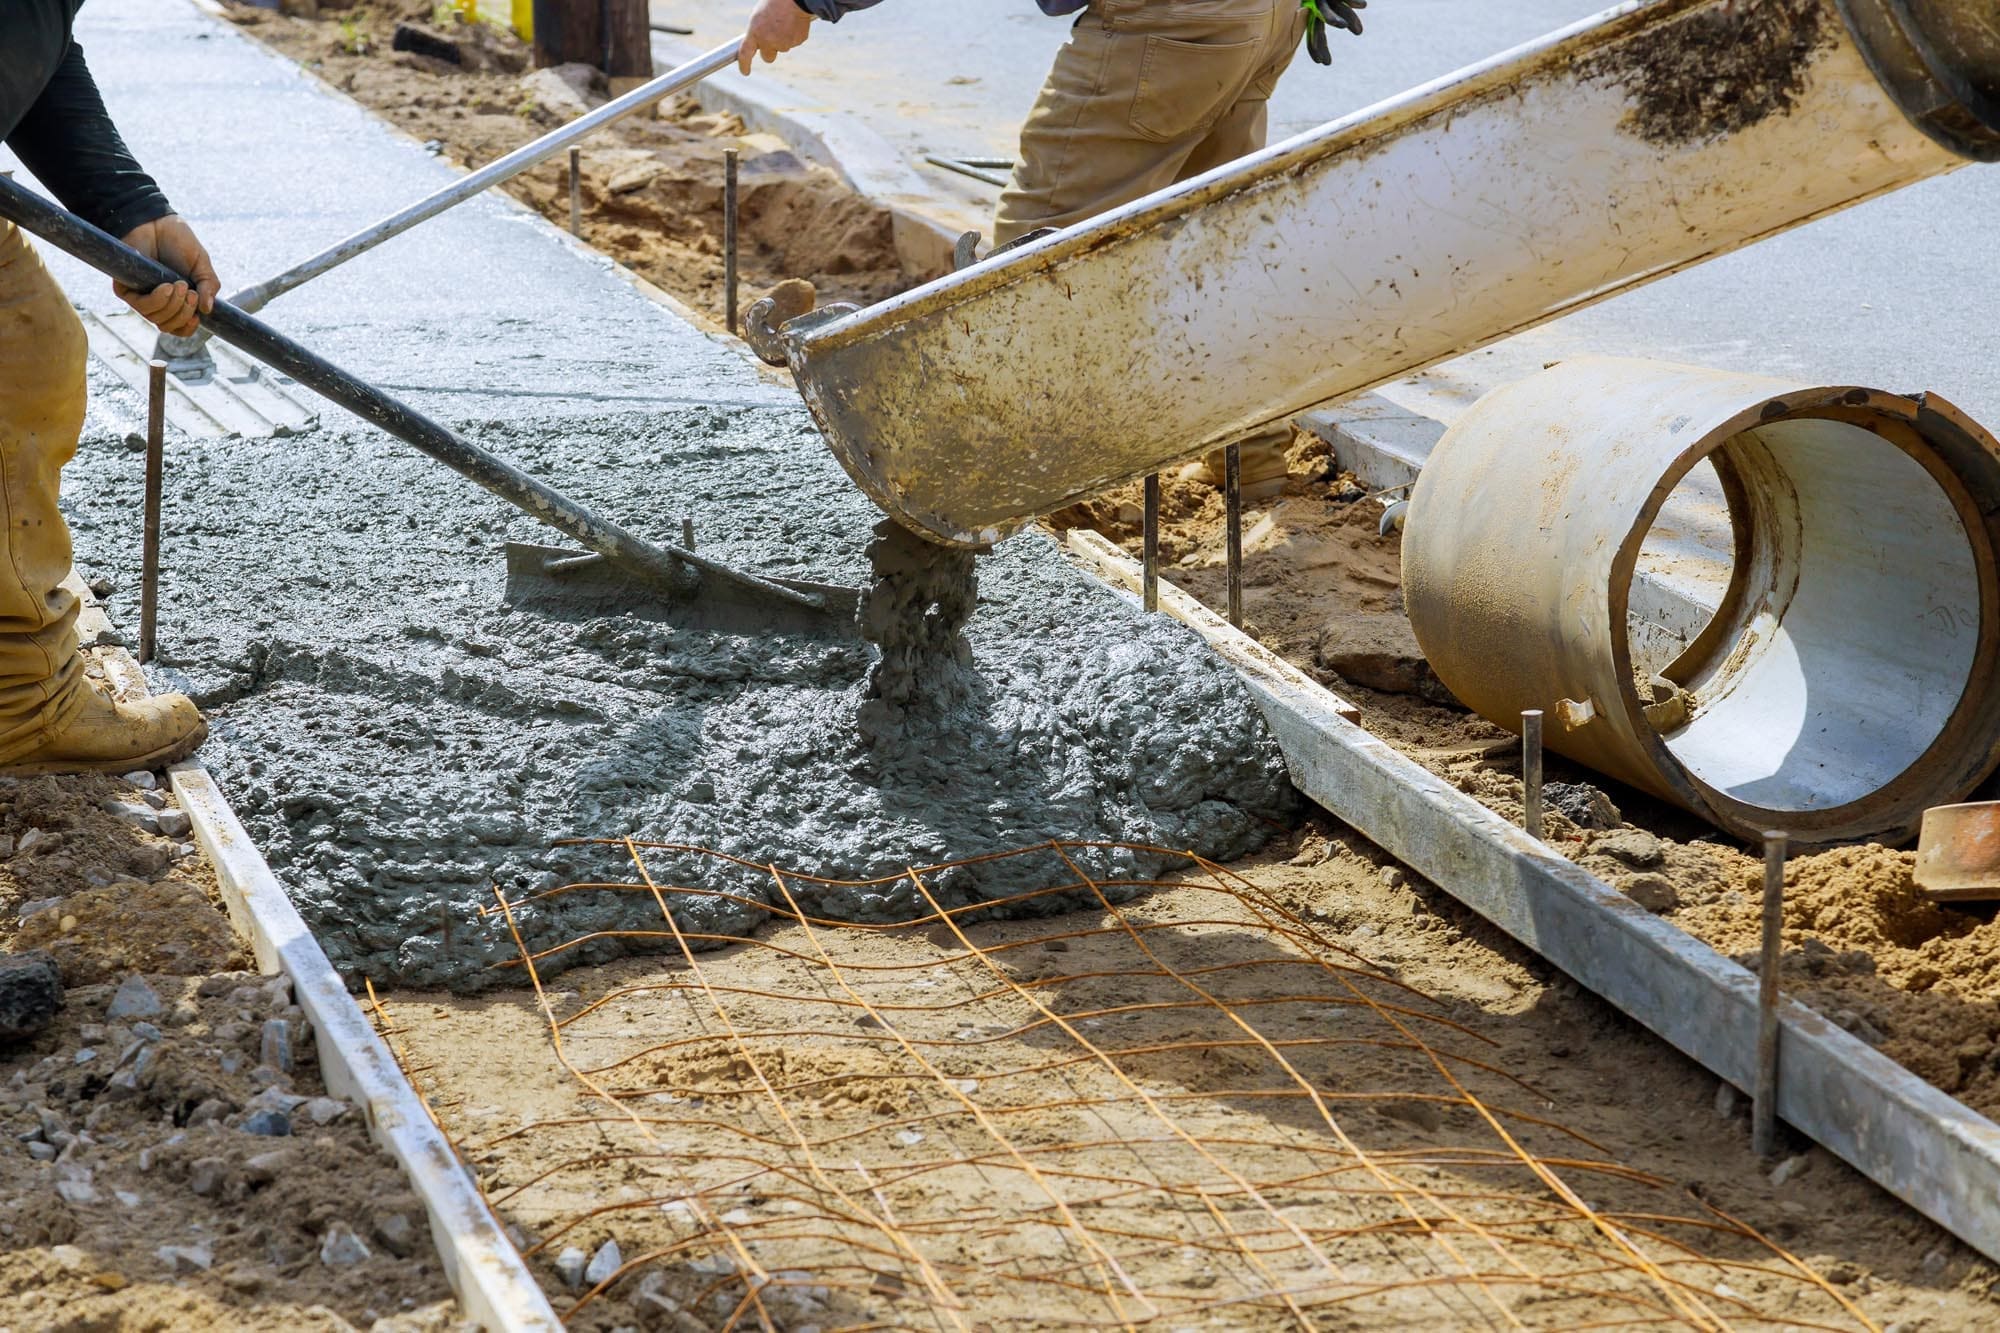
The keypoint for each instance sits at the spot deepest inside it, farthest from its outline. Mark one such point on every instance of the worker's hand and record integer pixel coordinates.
(174, 306)
(776, 27)
(1324, 14)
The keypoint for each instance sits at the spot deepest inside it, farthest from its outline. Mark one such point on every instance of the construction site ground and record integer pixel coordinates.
(1321, 588)
(173, 1161)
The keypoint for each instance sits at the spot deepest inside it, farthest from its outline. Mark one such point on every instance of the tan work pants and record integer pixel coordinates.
(1146, 93)
(42, 356)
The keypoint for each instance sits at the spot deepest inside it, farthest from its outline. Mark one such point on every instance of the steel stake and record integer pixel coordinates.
(576, 192)
(729, 156)
(1764, 1102)
(1232, 497)
(1531, 771)
(1149, 585)
(687, 534)
(156, 462)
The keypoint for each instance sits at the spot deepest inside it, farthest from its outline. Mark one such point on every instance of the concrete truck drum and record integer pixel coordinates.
(1846, 678)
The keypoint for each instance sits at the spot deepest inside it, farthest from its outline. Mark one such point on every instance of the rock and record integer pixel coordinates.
(570, 1265)
(30, 994)
(423, 41)
(1582, 804)
(148, 860)
(1726, 1099)
(341, 1248)
(76, 1191)
(325, 1110)
(276, 1099)
(207, 1175)
(36, 841)
(208, 1111)
(134, 998)
(186, 1258)
(42, 1152)
(1935, 1261)
(156, 799)
(1655, 893)
(103, 586)
(629, 181)
(141, 779)
(1790, 1169)
(266, 1167)
(173, 823)
(267, 1123)
(397, 1234)
(7, 850)
(1393, 877)
(136, 813)
(604, 1263)
(1635, 847)
(563, 91)
(274, 1047)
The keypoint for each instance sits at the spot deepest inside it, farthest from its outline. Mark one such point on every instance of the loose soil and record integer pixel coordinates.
(488, 1064)
(132, 1195)
(651, 185)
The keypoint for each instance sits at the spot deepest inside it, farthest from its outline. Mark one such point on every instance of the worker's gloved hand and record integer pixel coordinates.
(175, 306)
(1323, 14)
(776, 27)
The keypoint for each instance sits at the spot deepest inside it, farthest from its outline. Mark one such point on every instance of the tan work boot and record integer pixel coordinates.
(1262, 467)
(109, 736)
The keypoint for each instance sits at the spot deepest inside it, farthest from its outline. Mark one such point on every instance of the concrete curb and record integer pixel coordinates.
(484, 1269)
(926, 227)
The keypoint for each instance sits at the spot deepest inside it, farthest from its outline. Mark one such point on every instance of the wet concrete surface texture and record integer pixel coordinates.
(399, 740)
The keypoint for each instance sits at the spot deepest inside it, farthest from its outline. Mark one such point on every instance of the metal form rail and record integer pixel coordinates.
(1923, 1146)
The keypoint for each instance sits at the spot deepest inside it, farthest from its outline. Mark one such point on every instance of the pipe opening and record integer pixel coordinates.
(1686, 567)
(1850, 625)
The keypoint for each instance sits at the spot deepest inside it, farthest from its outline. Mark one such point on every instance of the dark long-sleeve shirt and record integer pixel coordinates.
(52, 116)
(831, 10)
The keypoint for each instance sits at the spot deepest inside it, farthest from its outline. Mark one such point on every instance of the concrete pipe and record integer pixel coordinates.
(1847, 677)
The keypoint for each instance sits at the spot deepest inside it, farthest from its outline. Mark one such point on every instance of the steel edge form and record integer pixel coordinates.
(484, 1269)
(1926, 1148)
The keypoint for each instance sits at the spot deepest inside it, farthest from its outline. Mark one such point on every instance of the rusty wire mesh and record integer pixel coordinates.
(1187, 1108)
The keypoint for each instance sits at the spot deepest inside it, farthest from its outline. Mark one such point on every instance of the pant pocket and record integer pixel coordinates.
(1184, 86)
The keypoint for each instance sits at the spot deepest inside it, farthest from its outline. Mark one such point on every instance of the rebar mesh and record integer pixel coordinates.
(1189, 1108)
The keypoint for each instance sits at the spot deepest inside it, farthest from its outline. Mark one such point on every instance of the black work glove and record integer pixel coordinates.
(1322, 14)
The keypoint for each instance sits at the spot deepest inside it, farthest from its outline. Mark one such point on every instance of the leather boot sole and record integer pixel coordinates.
(160, 758)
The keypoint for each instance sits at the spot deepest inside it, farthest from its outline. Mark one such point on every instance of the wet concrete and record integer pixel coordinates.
(399, 740)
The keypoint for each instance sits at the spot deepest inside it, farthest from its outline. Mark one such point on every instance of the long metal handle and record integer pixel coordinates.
(255, 298)
(661, 565)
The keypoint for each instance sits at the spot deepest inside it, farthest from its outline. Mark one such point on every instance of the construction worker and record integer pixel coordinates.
(53, 719)
(1144, 94)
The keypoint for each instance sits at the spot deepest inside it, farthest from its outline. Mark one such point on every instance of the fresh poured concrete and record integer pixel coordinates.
(400, 741)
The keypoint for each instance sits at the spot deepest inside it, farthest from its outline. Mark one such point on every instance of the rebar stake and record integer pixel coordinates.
(1531, 771)
(1764, 1102)
(729, 156)
(1149, 584)
(576, 192)
(1232, 497)
(687, 534)
(149, 551)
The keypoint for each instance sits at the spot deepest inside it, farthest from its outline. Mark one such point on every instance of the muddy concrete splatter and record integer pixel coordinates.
(400, 741)
(1719, 70)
